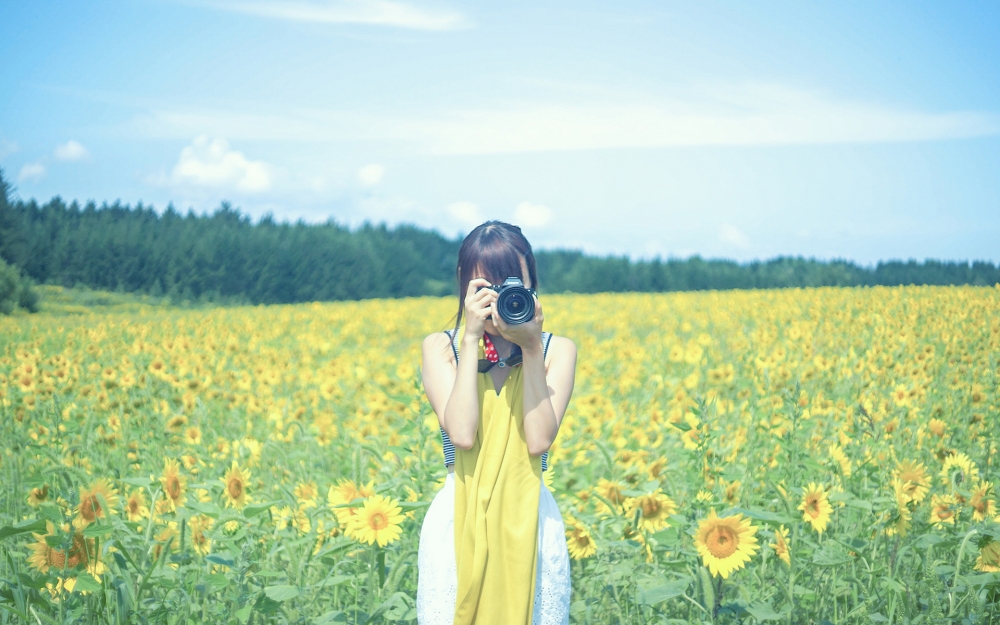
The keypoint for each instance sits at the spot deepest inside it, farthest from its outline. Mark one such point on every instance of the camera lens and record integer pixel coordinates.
(515, 304)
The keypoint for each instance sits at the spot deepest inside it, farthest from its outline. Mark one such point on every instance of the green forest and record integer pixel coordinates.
(224, 257)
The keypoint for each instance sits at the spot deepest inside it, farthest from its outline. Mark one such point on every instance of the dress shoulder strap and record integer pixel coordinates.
(453, 335)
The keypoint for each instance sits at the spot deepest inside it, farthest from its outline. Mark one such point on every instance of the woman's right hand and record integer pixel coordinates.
(478, 306)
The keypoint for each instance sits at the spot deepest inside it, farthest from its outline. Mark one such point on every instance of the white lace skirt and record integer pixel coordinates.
(437, 582)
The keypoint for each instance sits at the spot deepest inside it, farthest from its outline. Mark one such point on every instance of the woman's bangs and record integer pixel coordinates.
(499, 260)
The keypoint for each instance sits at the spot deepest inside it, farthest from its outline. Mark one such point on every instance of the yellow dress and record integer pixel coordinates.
(497, 486)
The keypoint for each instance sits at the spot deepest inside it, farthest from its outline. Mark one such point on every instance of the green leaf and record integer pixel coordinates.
(761, 515)
(395, 608)
(335, 616)
(830, 555)
(763, 611)
(243, 613)
(652, 596)
(97, 531)
(255, 509)
(357, 502)
(858, 503)
(86, 581)
(217, 558)
(31, 525)
(208, 509)
(877, 617)
(983, 579)
(413, 505)
(336, 580)
(138, 481)
(667, 536)
(282, 592)
(217, 581)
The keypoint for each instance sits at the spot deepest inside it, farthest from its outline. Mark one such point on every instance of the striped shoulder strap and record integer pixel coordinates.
(453, 335)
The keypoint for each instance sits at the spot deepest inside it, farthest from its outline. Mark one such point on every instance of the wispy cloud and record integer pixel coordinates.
(371, 12)
(7, 148)
(745, 114)
(737, 115)
(71, 151)
(531, 215)
(31, 172)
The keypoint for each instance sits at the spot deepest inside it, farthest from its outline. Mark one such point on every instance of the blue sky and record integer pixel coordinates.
(853, 130)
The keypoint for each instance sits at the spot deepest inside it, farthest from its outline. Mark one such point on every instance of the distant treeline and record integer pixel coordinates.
(224, 257)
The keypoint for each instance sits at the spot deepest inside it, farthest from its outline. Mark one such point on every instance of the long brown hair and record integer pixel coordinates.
(495, 248)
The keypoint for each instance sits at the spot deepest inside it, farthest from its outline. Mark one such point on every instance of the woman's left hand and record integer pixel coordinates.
(527, 334)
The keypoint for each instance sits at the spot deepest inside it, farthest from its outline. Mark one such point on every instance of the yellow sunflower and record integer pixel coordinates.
(916, 481)
(169, 535)
(980, 502)
(611, 491)
(958, 469)
(578, 540)
(93, 500)
(192, 435)
(989, 558)
(725, 544)
(378, 521)
(37, 496)
(306, 493)
(200, 526)
(82, 552)
(174, 484)
(235, 489)
(899, 520)
(942, 510)
(301, 520)
(780, 545)
(345, 492)
(655, 508)
(816, 507)
(135, 506)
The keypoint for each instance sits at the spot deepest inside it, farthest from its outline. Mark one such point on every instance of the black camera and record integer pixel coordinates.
(515, 303)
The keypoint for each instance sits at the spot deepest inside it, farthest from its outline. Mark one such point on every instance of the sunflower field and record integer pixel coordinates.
(790, 456)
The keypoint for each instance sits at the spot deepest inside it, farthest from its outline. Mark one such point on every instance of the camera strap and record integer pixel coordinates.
(493, 359)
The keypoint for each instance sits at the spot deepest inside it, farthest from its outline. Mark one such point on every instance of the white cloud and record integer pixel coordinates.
(71, 151)
(7, 148)
(370, 12)
(731, 235)
(31, 172)
(211, 163)
(751, 114)
(466, 212)
(734, 114)
(528, 215)
(371, 175)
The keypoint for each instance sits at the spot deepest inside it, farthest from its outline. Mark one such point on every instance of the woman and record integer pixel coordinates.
(492, 546)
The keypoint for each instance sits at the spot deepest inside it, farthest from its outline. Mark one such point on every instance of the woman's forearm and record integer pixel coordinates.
(461, 413)
(540, 425)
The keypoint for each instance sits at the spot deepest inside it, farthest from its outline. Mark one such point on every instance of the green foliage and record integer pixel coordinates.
(16, 291)
(223, 258)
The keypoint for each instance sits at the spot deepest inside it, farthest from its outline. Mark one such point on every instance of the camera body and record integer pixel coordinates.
(515, 302)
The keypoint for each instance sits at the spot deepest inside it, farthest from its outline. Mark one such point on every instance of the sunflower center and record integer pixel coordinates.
(722, 542)
(812, 506)
(650, 508)
(90, 508)
(378, 521)
(173, 488)
(235, 488)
